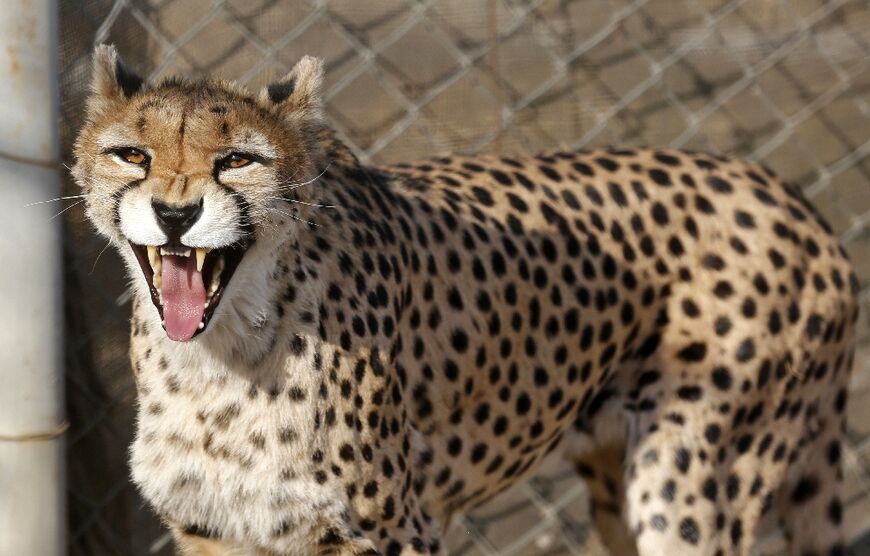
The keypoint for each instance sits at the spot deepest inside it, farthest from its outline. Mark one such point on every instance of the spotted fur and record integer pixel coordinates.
(678, 323)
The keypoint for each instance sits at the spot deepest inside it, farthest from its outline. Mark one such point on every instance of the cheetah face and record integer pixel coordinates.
(186, 179)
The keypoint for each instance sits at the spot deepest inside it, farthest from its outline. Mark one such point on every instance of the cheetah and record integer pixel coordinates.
(335, 358)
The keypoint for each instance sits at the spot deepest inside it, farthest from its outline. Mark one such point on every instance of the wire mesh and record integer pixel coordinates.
(786, 82)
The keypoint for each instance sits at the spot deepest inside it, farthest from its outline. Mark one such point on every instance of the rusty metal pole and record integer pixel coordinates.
(32, 470)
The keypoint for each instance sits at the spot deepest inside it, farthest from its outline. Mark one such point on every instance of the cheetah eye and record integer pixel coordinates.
(132, 155)
(235, 160)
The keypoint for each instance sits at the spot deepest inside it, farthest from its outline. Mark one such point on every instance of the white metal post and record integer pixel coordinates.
(32, 470)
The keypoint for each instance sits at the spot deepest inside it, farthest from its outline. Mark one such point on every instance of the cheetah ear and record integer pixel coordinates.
(112, 80)
(297, 94)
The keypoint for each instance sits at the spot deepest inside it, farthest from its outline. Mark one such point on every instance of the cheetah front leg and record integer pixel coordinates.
(411, 533)
(189, 544)
(332, 544)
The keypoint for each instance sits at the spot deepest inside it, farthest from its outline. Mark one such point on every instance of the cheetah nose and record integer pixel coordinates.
(175, 221)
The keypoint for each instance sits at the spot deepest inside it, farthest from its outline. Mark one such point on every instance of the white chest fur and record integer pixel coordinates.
(231, 453)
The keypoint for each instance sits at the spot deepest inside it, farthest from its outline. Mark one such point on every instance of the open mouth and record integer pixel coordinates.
(186, 284)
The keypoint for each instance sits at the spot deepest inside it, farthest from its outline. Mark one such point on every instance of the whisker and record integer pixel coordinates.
(66, 209)
(293, 217)
(295, 172)
(303, 202)
(291, 186)
(100, 254)
(54, 200)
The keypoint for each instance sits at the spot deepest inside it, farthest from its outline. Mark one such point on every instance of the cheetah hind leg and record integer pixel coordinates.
(695, 480)
(809, 501)
(602, 470)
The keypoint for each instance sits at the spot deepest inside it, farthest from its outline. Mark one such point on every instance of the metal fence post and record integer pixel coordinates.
(32, 469)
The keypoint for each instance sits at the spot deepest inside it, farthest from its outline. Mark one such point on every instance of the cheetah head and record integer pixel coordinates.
(186, 178)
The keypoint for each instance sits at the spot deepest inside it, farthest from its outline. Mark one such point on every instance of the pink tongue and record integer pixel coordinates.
(183, 297)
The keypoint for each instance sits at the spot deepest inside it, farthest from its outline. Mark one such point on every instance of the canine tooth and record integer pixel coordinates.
(152, 255)
(201, 325)
(200, 257)
(157, 268)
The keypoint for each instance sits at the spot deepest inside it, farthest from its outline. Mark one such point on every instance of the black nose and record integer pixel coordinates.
(175, 221)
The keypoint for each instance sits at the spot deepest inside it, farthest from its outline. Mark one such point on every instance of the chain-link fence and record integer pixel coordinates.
(782, 81)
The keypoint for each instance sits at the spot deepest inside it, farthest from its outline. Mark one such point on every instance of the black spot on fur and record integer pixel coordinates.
(693, 353)
(658, 522)
(689, 531)
(805, 489)
(719, 185)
